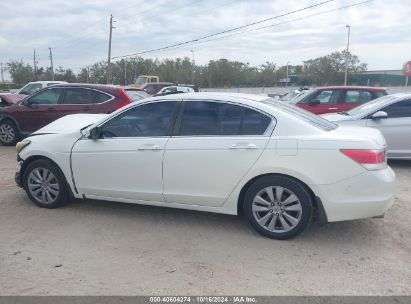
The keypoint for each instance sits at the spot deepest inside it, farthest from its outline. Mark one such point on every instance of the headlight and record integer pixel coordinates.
(22, 144)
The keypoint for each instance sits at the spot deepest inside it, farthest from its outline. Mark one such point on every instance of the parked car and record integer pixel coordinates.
(193, 86)
(296, 95)
(34, 86)
(20, 117)
(225, 153)
(338, 98)
(390, 114)
(136, 94)
(174, 90)
(153, 88)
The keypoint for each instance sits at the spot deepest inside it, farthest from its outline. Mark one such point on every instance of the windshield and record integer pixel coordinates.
(309, 117)
(140, 80)
(373, 105)
(290, 95)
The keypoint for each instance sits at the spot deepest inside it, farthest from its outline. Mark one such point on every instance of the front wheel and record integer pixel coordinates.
(45, 184)
(278, 207)
(9, 134)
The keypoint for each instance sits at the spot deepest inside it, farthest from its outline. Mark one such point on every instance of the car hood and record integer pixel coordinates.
(11, 99)
(70, 123)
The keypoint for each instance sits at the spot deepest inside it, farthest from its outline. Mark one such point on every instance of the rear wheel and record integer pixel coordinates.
(9, 134)
(45, 184)
(278, 207)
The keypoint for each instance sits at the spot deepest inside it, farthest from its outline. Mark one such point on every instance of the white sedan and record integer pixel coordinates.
(277, 165)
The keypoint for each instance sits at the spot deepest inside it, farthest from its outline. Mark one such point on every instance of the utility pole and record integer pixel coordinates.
(34, 65)
(88, 71)
(286, 80)
(346, 55)
(192, 80)
(109, 49)
(2, 77)
(125, 72)
(51, 62)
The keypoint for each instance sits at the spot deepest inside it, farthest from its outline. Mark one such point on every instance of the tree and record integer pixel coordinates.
(330, 69)
(20, 72)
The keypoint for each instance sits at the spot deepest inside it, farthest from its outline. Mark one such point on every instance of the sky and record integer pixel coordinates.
(77, 31)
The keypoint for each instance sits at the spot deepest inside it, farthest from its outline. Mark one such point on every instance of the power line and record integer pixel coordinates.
(225, 31)
(288, 21)
(85, 30)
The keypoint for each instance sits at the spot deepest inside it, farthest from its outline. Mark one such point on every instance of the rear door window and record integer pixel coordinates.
(77, 96)
(206, 118)
(357, 96)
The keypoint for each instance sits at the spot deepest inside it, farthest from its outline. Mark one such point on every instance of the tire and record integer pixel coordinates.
(45, 190)
(275, 218)
(9, 134)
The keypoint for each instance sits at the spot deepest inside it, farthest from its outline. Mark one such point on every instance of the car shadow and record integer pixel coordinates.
(399, 163)
(331, 233)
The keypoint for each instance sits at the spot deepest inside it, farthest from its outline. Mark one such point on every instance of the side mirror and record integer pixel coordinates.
(379, 115)
(314, 102)
(95, 133)
(26, 102)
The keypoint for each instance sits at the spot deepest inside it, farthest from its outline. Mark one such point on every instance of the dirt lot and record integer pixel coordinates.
(100, 248)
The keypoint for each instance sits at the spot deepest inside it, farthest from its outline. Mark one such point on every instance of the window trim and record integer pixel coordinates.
(177, 126)
(86, 104)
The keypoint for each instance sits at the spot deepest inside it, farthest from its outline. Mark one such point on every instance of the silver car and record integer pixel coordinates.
(390, 114)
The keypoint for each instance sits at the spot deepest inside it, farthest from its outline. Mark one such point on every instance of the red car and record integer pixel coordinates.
(21, 115)
(338, 98)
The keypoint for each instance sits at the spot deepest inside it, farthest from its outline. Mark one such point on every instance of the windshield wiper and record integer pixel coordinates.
(344, 113)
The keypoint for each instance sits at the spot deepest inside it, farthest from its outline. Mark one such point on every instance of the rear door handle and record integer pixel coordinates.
(86, 108)
(151, 148)
(243, 146)
(332, 108)
(51, 109)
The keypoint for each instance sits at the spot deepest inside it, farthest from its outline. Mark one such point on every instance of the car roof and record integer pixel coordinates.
(221, 96)
(86, 85)
(351, 87)
(160, 83)
(47, 81)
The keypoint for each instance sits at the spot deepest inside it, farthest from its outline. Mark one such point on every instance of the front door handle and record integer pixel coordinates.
(243, 146)
(150, 147)
(332, 108)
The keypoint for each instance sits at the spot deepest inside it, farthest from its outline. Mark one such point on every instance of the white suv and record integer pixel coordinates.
(34, 86)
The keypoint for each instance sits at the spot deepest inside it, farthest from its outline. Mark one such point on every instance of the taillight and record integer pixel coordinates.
(126, 99)
(370, 159)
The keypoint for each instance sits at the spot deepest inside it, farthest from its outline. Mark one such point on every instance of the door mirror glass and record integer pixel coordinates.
(379, 115)
(94, 133)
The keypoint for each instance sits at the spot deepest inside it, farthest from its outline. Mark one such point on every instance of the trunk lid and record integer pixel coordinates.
(70, 123)
(366, 135)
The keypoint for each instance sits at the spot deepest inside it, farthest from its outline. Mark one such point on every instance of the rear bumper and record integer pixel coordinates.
(370, 194)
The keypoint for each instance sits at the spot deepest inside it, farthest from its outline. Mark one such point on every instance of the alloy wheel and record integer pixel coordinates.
(6, 133)
(277, 209)
(43, 185)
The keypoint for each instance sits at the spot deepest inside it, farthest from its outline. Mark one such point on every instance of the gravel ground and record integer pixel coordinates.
(101, 248)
